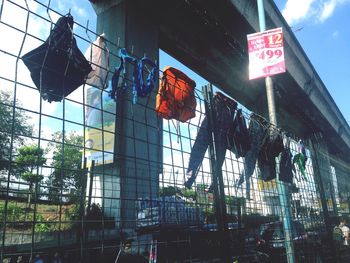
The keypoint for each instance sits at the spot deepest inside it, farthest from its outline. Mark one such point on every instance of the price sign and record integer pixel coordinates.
(266, 55)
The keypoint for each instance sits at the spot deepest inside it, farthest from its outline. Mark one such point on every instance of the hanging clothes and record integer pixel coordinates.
(117, 91)
(176, 98)
(224, 109)
(98, 56)
(299, 160)
(272, 147)
(140, 87)
(258, 132)
(303, 151)
(58, 67)
(143, 88)
(286, 166)
(238, 135)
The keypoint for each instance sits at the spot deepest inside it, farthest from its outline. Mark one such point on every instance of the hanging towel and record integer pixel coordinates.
(58, 67)
(98, 56)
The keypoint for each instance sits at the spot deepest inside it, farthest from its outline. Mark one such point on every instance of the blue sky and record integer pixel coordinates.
(322, 28)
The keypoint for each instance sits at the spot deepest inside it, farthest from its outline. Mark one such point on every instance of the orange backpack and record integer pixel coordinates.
(175, 98)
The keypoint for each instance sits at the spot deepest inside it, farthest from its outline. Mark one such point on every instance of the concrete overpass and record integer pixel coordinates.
(210, 38)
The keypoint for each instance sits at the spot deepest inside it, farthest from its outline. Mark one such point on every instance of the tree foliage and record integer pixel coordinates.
(11, 125)
(28, 161)
(168, 191)
(66, 161)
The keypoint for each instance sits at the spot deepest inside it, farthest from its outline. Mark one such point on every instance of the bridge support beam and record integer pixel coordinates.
(138, 131)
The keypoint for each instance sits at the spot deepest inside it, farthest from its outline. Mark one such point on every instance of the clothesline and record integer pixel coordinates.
(264, 122)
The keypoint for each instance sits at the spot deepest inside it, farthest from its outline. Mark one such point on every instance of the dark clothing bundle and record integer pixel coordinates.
(258, 131)
(266, 145)
(286, 166)
(272, 147)
(260, 142)
(224, 109)
(58, 67)
(238, 135)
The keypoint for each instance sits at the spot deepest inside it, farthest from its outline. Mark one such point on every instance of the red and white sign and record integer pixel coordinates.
(266, 55)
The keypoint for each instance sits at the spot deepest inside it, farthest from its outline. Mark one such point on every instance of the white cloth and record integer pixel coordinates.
(346, 232)
(98, 56)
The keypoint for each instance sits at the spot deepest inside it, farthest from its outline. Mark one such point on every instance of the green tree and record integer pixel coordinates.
(10, 124)
(189, 193)
(28, 161)
(168, 191)
(66, 161)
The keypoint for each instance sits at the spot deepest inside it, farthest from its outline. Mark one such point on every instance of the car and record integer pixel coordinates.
(271, 242)
(191, 244)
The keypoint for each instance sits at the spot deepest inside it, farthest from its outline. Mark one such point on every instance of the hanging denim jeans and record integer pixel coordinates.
(224, 110)
(258, 131)
(238, 136)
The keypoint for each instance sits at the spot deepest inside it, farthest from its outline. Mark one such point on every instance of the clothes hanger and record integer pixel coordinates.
(86, 31)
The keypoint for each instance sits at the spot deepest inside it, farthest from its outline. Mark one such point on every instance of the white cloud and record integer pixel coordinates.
(29, 98)
(335, 34)
(77, 96)
(296, 11)
(328, 8)
(80, 11)
(313, 10)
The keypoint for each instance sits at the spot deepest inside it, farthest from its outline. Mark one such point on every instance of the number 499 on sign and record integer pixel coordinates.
(269, 54)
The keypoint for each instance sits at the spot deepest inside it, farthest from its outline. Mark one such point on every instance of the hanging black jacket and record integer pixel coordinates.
(58, 67)
(286, 166)
(272, 147)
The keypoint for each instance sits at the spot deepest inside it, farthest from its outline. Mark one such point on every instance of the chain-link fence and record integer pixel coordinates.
(81, 181)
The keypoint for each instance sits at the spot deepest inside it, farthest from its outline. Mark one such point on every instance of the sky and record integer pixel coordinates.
(321, 26)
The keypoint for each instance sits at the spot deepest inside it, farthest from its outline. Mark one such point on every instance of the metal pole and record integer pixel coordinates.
(212, 159)
(283, 193)
(217, 181)
(271, 101)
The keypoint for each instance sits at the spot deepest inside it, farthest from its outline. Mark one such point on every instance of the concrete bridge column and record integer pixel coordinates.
(322, 174)
(342, 171)
(138, 141)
